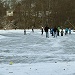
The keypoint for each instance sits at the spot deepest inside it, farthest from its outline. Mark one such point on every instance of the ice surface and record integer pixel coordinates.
(34, 54)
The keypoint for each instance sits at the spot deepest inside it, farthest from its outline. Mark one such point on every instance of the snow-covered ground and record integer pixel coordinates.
(34, 54)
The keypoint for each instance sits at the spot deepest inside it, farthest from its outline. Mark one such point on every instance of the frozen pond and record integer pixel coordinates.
(35, 48)
(34, 54)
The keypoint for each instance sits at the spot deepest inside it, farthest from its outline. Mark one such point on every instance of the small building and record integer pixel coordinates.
(9, 14)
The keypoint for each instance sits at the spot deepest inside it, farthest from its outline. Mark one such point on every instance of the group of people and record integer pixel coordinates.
(55, 31)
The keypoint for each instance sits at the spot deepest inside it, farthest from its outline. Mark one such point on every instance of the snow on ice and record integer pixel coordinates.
(34, 54)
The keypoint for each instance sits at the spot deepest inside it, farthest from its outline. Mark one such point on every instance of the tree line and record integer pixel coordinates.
(28, 13)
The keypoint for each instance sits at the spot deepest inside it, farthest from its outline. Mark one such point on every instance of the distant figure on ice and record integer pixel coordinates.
(69, 30)
(55, 31)
(46, 30)
(62, 32)
(51, 31)
(58, 30)
(24, 31)
(42, 30)
(66, 31)
(32, 28)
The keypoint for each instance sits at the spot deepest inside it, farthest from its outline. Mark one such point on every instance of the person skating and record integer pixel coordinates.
(32, 28)
(51, 31)
(66, 31)
(58, 30)
(69, 30)
(24, 31)
(55, 31)
(42, 30)
(62, 32)
(46, 30)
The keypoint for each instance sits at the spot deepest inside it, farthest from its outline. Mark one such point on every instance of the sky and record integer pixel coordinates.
(34, 54)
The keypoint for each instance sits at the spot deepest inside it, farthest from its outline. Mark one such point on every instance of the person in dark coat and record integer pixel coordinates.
(51, 31)
(55, 31)
(24, 31)
(46, 30)
(62, 32)
(42, 30)
(69, 30)
(32, 28)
